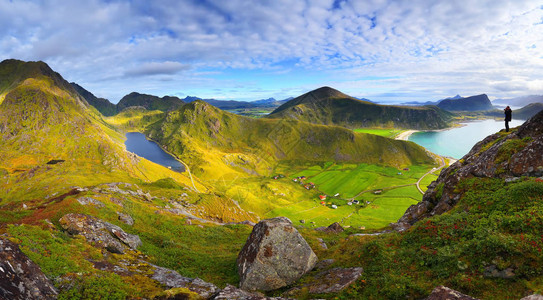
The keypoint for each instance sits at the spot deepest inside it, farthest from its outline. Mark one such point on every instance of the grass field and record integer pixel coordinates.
(388, 132)
(283, 197)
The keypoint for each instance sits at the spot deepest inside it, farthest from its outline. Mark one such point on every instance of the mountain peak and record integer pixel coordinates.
(326, 92)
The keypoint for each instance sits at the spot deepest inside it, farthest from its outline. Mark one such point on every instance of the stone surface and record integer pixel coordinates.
(275, 255)
(445, 293)
(533, 297)
(172, 279)
(333, 228)
(21, 278)
(101, 234)
(331, 281)
(89, 200)
(232, 293)
(485, 159)
(493, 271)
(125, 218)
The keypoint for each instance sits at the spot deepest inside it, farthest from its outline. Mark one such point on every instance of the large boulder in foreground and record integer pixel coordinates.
(21, 278)
(275, 255)
(100, 233)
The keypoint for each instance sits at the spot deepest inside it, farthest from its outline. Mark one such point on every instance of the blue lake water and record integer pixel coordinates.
(457, 142)
(137, 143)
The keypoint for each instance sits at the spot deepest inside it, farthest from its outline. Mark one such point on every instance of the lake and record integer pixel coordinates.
(137, 143)
(456, 142)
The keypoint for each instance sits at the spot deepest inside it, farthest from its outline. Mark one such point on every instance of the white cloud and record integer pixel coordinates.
(433, 46)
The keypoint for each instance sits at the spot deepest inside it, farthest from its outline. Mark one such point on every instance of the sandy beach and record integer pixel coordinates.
(405, 135)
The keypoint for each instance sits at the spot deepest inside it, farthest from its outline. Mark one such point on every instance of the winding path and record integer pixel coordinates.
(431, 171)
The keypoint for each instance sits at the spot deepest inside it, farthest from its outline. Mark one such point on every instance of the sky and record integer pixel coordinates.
(383, 50)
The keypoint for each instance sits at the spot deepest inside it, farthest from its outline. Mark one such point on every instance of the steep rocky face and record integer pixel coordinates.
(275, 255)
(501, 155)
(21, 278)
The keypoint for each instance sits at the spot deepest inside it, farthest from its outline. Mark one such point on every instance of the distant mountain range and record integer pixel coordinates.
(233, 104)
(328, 106)
(520, 101)
(166, 103)
(473, 103)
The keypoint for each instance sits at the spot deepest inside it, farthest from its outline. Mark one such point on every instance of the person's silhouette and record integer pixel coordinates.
(507, 112)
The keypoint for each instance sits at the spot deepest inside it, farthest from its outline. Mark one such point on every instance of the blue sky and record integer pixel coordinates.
(387, 51)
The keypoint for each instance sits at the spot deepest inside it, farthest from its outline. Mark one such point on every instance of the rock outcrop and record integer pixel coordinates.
(501, 155)
(275, 255)
(100, 233)
(21, 278)
(172, 279)
(232, 293)
(445, 293)
(333, 228)
(331, 281)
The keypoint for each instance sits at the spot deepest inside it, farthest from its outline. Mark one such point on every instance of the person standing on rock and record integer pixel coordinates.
(508, 112)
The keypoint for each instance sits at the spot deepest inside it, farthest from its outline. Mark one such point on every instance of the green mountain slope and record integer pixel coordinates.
(105, 107)
(216, 142)
(150, 102)
(478, 229)
(328, 106)
(42, 118)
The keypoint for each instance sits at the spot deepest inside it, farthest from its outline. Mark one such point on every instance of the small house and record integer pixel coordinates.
(378, 192)
(336, 195)
(356, 201)
(322, 197)
(334, 206)
(349, 203)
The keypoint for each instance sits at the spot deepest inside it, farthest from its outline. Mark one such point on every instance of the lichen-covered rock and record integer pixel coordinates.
(89, 200)
(21, 278)
(501, 155)
(233, 293)
(100, 233)
(125, 218)
(331, 281)
(172, 279)
(445, 293)
(275, 255)
(533, 297)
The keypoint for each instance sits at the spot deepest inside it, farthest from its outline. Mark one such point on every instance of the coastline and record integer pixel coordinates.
(404, 136)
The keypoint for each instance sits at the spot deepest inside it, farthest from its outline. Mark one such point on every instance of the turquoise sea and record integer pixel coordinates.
(456, 142)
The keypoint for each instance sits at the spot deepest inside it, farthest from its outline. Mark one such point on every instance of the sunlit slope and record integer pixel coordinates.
(42, 119)
(329, 106)
(217, 143)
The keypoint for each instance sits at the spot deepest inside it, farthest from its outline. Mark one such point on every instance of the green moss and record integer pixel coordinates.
(511, 147)
(101, 286)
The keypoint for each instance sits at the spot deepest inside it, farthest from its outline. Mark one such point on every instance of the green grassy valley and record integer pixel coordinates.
(62, 157)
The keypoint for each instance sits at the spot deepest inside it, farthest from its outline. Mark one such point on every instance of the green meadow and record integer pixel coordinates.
(270, 197)
(386, 132)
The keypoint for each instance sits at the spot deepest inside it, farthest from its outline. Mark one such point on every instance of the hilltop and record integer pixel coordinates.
(150, 102)
(331, 107)
(473, 103)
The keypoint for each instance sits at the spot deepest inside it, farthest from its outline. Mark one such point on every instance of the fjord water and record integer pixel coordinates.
(137, 143)
(457, 142)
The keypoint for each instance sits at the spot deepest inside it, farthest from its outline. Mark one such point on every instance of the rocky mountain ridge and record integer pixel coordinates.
(502, 155)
